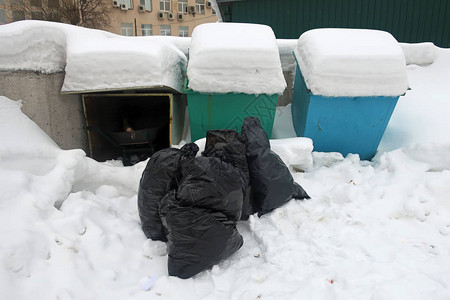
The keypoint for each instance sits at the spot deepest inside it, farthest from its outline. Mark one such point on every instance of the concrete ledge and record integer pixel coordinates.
(60, 116)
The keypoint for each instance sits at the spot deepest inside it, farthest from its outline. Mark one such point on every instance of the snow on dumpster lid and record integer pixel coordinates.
(122, 62)
(351, 62)
(233, 57)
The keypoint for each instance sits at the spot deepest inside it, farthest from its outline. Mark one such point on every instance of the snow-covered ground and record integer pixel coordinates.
(380, 229)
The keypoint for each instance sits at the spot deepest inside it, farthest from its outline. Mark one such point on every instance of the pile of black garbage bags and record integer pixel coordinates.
(193, 203)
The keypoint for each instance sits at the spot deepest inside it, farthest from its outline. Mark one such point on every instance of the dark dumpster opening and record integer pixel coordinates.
(127, 127)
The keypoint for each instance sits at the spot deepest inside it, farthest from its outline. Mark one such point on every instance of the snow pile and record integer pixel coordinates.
(294, 152)
(246, 56)
(93, 59)
(351, 62)
(419, 54)
(120, 62)
(283, 126)
(286, 49)
(20, 135)
(34, 46)
(421, 116)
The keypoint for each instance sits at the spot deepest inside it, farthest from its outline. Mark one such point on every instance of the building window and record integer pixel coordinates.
(54, 17)
(127, 3)
(37, 15)
(37, 3)
(53, 3)
(182, 6)
(127, 29)
(200, 7)
(183, 31)
(146, 29)
(165, 30)
(2, 16)
(164, 5)
(18, 15)
(147, 4)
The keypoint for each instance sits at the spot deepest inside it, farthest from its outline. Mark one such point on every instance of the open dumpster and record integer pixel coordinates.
(132, 98)
(234, 71)
(346, 87)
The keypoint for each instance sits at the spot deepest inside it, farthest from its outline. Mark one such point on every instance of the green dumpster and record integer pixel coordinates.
(228, 111)
(234, 71)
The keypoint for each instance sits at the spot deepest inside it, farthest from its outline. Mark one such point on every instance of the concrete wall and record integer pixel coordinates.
(60, 116)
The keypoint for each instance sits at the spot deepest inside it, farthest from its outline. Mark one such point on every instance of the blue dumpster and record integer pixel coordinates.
(342, 123)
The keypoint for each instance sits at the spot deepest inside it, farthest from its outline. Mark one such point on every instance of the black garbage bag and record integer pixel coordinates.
(272, 183)
(229, 146)
(201, 216)
(160, 176)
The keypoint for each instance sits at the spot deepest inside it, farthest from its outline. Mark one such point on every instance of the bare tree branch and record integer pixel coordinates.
(86, 13)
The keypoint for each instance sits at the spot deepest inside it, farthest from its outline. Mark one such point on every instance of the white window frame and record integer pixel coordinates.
(127, 2)
(126, 29)
(183, 31)
(147, 29)
(166, 30)
(183, 6)
(200, 7)
(164, 5)
(147, 4)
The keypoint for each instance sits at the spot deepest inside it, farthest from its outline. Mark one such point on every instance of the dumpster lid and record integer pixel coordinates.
(351, 62)
(233, 57)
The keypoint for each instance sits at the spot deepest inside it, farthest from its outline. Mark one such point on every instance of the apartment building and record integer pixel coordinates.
(7, 14)
(159, 17)
(17, 10)
(129, 17)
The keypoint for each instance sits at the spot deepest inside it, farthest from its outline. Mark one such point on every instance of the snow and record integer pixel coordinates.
(246, 55)
(419, 53)
(295, 152)
(32, 46)
(123, 63)
(93, 59)
(69, 226)
(351, 62)
(286, 49)
(421, 116)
